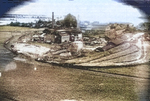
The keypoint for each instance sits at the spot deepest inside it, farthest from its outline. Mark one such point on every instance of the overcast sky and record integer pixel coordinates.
(104, 11)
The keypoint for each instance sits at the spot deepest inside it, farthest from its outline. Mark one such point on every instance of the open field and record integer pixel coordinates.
(54, 83)
(8, 31)
(13, 28)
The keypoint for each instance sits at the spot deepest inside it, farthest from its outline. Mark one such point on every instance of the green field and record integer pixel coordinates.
(13, 28)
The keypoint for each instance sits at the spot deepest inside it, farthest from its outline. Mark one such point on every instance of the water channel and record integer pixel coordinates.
(33, 81)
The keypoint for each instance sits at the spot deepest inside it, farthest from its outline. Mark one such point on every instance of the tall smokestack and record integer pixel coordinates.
(52, 19)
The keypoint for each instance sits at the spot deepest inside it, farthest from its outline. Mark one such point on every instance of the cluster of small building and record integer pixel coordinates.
(58, 36)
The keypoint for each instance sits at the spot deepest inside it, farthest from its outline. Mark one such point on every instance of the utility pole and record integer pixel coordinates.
(78, 23)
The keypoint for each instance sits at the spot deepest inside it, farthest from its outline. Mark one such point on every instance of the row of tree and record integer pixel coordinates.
(68, 21)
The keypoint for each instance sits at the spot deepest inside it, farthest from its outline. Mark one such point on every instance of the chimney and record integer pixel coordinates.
(52, 19)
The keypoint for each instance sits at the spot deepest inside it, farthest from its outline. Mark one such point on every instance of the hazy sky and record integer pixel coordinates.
(104, 11)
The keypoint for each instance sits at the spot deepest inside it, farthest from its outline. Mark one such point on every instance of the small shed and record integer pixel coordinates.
(77, 35)
(62, 36)
(65, 37)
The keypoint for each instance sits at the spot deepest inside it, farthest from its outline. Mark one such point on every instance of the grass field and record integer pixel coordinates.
(13, 28)
(7, 31)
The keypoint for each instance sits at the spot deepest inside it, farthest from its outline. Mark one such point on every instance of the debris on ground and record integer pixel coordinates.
(123, 46)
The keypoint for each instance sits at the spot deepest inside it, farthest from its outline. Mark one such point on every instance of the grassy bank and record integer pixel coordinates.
(7, 31)
(13, 28)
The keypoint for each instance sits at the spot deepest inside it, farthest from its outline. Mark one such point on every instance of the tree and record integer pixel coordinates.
(40, 21)
(14, 23)
(70, 21)
(145, 26)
